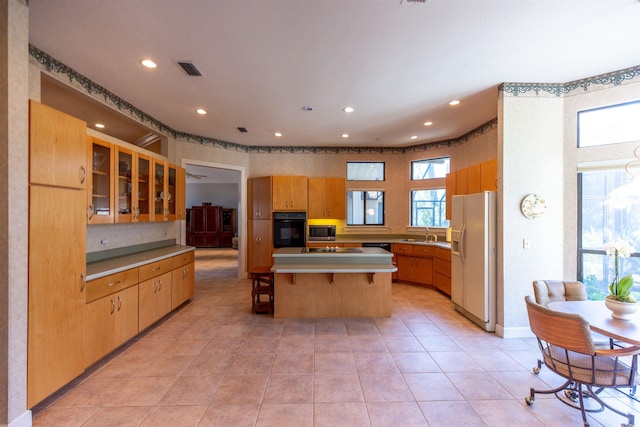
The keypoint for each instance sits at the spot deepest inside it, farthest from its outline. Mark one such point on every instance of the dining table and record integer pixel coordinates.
(601, 321)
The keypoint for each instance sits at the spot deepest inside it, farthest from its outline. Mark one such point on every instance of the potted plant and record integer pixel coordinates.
(620, 299)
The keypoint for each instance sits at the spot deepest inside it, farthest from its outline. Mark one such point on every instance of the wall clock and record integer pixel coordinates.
(532, 206)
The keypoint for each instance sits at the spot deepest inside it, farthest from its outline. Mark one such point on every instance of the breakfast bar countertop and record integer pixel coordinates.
(342, 260)
(98, 269)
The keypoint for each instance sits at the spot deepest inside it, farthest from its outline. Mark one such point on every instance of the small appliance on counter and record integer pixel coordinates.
(321, 233)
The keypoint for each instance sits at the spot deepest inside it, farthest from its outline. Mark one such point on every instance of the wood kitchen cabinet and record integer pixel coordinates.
(489, 175)
(160, 188)
(259, 197)
(182, 279)
(462, 183)
(171, 195)
(57, 248)
(181, 194)
(260, 243)
(109, 322)
(442, 270)
(100, 182)
(327, 198)
(473, 179)
(414, 262)
(143, 188)
(227, 227)
(289, 193)
(154, 296)
(450, 183)
(125, 184)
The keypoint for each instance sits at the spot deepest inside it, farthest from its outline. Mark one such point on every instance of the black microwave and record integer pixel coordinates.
(322, 232)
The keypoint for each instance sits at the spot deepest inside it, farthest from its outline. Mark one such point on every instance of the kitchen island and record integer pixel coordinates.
(335, 282)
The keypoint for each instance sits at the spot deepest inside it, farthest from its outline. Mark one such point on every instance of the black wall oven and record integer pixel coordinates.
(289, 229)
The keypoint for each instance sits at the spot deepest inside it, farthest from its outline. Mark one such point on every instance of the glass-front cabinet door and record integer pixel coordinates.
(124, 185)
(172, 176)
(143, 190)
(100, 209)
(159, 191)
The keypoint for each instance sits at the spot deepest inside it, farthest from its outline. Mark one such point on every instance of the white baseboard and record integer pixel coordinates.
(23, 420)
(517, 332)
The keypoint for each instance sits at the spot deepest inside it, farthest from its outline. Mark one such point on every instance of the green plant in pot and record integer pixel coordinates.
(620, 288)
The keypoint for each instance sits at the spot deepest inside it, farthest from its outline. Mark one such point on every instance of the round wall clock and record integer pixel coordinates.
(532, 206)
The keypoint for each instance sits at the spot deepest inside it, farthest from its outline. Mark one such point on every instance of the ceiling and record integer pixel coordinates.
(398, 63)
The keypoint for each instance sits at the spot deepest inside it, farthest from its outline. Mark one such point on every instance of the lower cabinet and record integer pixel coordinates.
(414, 262)
(442, 270)
(109, 322)
(154, 299)
(182, 279)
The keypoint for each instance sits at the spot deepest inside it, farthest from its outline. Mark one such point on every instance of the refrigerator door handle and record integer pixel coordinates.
(462, 244)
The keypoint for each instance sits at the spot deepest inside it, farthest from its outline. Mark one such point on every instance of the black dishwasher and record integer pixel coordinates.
(385, 246)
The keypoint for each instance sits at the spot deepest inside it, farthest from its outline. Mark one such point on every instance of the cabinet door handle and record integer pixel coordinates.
(83, 174)
(159, 285)
(155, 286)
(155, 269)
(89, 212)
(119, 303)
(113, 306)
(83, 282)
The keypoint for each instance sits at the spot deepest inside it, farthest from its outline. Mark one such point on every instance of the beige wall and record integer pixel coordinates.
(14, 167)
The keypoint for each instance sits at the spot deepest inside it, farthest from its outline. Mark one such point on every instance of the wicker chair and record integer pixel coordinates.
(568, 350)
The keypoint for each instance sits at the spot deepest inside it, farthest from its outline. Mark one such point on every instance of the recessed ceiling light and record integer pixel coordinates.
(428, 123)
(454, 102)
(99, 125)
(345, 135)
(148, 63)
(348, 109)
(414, 136)
(278, 134)
(201, 111)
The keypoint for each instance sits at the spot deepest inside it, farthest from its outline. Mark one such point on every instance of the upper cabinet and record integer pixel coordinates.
(489, 175)
(160, 204)
(124, 182)
(181, 196)
(142, 188)
(289, 193)
(470, 180)
(170, 194)
(100, 182)
(259, 197)
(54, 156)
(327, 198)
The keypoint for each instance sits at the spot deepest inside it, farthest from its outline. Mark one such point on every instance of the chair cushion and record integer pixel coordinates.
(609, 371)
(547, 291)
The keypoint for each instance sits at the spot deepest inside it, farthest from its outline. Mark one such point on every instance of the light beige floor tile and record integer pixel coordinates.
(142, 391)
(432, 386)
(260, 344)
(455, 361)
(393, 414)
(289, 389)
(478, 386)
(167, 365)
(375, 363)
(439, 343)
(331, 343)
(296, 344)
(504, 413)
(185, 346)
(385, 388)
(242, 415)
(252, 363)
(293, 363)
(241, 389)
(337, 388)
(450, 414)
(285, 414)
(172, 416)
(415, 362)
(340, 414)
(123, 416)
(495, 360)
(92, 393)
(63, 417)
(196, 390)
(367, 343)
(210, 364)
(402, 344)
(334, 363)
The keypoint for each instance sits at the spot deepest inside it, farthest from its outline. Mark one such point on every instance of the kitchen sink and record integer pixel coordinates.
(333, 250)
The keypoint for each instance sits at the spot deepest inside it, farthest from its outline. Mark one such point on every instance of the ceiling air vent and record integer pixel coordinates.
(190, 68)
(242, 129)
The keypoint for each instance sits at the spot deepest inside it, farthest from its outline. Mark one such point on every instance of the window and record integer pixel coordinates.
(609, 125)
(365, 171)
(606, 213)
(428, 208)
(429, 168)
(365, 207)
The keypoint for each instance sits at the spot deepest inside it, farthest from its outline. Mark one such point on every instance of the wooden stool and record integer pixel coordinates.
(261, 285)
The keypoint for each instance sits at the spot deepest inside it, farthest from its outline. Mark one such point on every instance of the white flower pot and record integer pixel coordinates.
(621, 310)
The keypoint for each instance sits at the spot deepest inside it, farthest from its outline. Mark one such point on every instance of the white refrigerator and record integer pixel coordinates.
(473, 257)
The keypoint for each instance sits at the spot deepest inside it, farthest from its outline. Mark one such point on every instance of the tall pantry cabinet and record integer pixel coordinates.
(57, 247)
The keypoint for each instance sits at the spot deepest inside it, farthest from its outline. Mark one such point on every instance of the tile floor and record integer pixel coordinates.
(212, 363)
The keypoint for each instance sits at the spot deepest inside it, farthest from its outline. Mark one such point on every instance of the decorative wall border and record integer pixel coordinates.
(614, 78)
